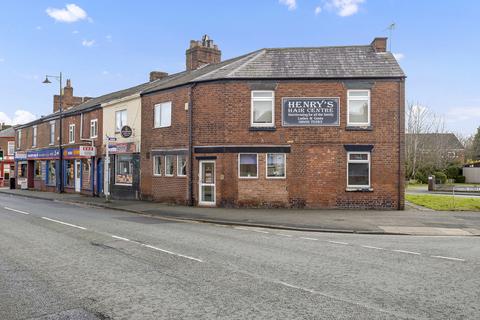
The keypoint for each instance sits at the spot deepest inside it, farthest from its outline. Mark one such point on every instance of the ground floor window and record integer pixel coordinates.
(276, 163)
(70, 173)
(38, 169)
(358, 170)
(248, 165)
(51, 172)
(157, 165)
(86, 173)
(181, 165)
(22, 169)
(6, 171)
(124, 169)
(169, 165)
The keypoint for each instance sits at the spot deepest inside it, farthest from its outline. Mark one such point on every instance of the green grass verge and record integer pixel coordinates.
(444, 202)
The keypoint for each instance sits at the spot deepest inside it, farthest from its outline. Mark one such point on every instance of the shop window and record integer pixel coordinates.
(51, 172)
(1, 155)
(169, 165)
(70, 173)
(181, 165)
(11, 148)
(163, 115)
(52, 133)
(358, 108)
(124, 169)
(248, 165)
(94, 128)
(71, 133)
(22, 170)
(262, 114)
(276, 163)
(34, 136)
(120, 120)
(86, 177)
(358, 170)
(38, 169)
(157, 165)
(6, 172)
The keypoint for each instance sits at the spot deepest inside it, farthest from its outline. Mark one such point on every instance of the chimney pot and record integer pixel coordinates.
(379, 44)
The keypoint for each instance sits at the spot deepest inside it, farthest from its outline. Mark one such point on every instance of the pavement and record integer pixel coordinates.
(61, 261)
(414, 220)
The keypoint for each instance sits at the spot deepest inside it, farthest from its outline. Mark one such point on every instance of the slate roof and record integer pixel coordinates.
(449, 140)
(9, 132)
(295, 63)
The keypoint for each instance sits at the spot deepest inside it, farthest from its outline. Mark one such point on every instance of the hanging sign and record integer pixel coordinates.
(126, 132)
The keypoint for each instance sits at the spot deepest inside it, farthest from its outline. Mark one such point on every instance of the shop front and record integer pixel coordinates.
(6, 166)
(124, 170)
(21, 173)
(43, 166)
(79, 169)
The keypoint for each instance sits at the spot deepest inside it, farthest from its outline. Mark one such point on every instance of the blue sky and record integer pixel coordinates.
(108, 45)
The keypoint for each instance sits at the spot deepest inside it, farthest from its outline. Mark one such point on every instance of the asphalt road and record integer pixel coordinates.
(59, 261)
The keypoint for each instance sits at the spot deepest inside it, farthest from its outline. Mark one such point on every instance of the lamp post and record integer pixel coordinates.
(60, 148)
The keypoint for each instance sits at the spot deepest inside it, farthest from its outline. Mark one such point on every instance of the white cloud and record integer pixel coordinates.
(291, 4)
(344, 8)
(38, 28)
(19, 117)
(105, 72)
(75, 32)
(318, 10)
(459, 114)
(88, 43)
(399, 56)
(71, 13)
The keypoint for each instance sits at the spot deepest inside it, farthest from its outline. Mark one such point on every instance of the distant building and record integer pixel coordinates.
(7, 151)
(439, 145)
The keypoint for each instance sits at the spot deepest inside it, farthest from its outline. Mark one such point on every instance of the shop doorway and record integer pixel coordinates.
(207, 183)
(78, 175)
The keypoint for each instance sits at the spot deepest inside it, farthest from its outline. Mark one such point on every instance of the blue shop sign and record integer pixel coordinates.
(310, 112)
(43, 154)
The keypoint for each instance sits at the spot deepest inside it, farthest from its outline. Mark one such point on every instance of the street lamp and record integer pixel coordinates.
(60, 149)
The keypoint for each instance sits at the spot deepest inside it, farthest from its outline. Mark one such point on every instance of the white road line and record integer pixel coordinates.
(241, 228)
(170, 252)
(338, 242)
(284, 235)
(408, 252)
(15, 210)
(448, 258)
(259, 231)
(295, 287)
(120, 238)
(372, 247)
(307, 238)
(64, 223)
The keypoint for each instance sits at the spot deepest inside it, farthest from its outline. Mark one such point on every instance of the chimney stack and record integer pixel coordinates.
(156, 75)
(68, 99)
(379, 44)
(202, 52)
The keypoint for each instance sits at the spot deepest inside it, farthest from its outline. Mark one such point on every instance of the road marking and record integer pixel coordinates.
(284, 235)
(448, 258)
(307, 238)
(372, 247)
(295, 287)
(408, 252)
(338, 242)
(120, 238)
(170, 252)
(241, 228)
(259, 231)
(64, 223)
(15, 210)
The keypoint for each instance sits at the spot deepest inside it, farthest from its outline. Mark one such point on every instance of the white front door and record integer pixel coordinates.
(78, 174)
(206, 183)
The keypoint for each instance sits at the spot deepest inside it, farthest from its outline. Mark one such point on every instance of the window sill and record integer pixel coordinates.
(359, 128)
(360, 189)
(262, 129)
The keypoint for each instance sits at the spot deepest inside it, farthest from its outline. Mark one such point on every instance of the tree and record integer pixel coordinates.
(474, 147)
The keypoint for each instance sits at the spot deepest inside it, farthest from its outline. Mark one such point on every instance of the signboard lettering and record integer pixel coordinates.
(310, 112)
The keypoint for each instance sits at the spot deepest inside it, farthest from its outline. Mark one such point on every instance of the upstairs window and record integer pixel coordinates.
(19, 138)
(71, 133)
(263, 109)
(120, 120)
(358, 170)
(163, 115)
(11, 148)
(52, 132)
(358, 108)
(34, 136)
(93, 128)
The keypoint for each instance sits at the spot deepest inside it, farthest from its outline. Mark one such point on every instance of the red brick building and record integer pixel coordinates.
(7, 152)
(291, 127)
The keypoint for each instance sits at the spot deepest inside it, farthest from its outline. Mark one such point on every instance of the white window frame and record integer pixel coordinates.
(284, 164)
(155, 174)
(179, 173)
(122, 124)
(94, 125)
(272, 99)
(173, 161)
(52, 133)
(34, 136)
(157, 122)
(10, 148)
(369, 109)
(19, 138)
(71, 133)
(356, 187)
(238, 161)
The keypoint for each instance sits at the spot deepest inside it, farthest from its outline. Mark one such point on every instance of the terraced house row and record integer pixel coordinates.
(282, 127)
